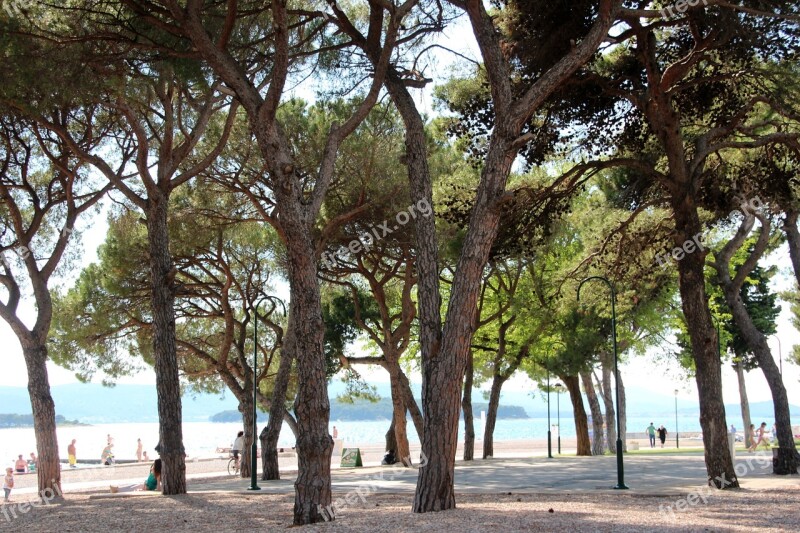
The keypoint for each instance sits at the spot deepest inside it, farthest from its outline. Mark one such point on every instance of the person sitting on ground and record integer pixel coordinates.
(32, 462)
(21, 465)
(153, 481)
(107, 457)
(389, 458)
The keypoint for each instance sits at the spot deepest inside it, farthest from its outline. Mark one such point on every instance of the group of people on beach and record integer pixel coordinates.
(107, 455)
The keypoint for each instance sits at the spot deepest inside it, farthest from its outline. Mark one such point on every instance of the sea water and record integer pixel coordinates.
(201, 439)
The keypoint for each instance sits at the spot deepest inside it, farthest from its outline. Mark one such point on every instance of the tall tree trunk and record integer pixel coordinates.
(623, 429)
(703, 335)
(168, 386)
(391, 438)
(246, 408)
(787, 460)
(793, 240)
(402, 452)
(469, 417)
(608, 400)
(411, 405)
(581, 423)
(597, 414)
(277, 413)
(744, 403)
(48, 470)
(491, 416)
(314, 443)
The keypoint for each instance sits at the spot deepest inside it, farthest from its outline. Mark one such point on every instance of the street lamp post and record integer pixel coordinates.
(549, 433)
(620, 467)
(677, 441)
(558, 410)
(253, 446)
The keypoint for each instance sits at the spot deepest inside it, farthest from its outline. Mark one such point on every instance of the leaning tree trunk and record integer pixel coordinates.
(621, 413)
(391, 438)
(491, 416)
(246, 408)
(277, 412)
(581, 423)
(703, 336)
(469, 417)
(168, 386)
(608, 400)
(402, 452)
(597, 414)
(744, 403)
(44, 421)
(787, 459)
(793, 240)
(314, 443)
(411, 405)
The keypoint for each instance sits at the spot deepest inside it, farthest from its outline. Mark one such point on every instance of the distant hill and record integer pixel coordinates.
(364, 410)
(95, 404)
(11, 420)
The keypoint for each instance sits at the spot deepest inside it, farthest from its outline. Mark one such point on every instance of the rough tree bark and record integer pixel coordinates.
(703, 335)
(581, 423)
(744, 403)
(469, 417)
(787, 459)
(43, 408)
(623, 429)
(445, 352)
(608, 400)
(391, 438)
(272, 432)
(246, 408)
(597, 414)
(491, 416)
(402, 452)
(170, 428)
(792, 239)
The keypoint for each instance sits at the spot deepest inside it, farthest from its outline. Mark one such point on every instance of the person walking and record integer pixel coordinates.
(139, 450)
(662, 435)
(651, 432)
(72, 455)
(8, 483)
(752, 432)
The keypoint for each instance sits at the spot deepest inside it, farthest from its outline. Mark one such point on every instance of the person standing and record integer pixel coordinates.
(662, 435)
(335, 433)
(72, 455)
(8, 483)
(651, 432)
(139, 450)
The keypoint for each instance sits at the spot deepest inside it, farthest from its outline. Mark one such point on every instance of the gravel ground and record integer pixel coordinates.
(740, 510)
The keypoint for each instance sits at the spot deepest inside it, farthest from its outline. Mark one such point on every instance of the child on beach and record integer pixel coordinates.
(8, 483)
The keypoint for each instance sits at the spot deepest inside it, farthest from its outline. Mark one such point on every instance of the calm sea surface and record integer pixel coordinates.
(202, 438)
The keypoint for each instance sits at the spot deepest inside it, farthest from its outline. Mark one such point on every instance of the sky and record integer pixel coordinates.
(641, 371)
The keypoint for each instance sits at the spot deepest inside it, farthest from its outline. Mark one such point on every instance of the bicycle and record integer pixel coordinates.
(233, 466)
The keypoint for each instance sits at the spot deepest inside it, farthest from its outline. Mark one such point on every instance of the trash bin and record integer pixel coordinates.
(732, 445)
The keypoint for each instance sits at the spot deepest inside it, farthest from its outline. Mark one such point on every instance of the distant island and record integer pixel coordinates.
(11, 420)
(380, 410)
